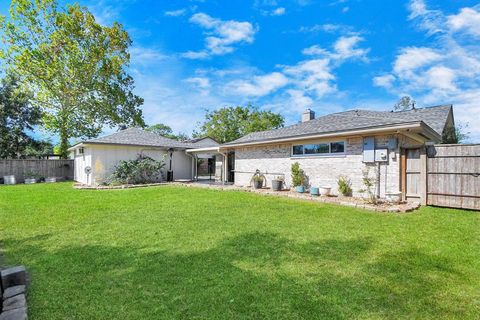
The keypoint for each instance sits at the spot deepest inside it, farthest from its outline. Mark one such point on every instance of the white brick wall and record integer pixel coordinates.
(321, 170)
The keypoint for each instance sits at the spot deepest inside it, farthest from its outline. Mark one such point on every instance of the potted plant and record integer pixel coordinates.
(257, 180)
(314, 192)
(31, 177)
(277, 183)
(344, 186)
(325, 190)
(298, 178)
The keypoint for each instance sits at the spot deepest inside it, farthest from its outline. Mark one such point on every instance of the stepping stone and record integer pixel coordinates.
(16, 302)
(13, 291)
(16, 314)
(13, 277)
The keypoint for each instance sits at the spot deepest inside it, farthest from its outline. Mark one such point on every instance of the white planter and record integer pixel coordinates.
(9, 180)
(325, 191)
(30, 180)
(393, 197)
(51, 180)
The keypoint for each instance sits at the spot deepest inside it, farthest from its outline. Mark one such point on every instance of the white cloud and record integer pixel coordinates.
(345, 9)
(259, 85)
(467, 20)
(446, 70)
(330, 28)
(278, 11)
(221, 35)
(384, 81)
(313, 76)
(346, 47)
(175, 13)
(146, 56)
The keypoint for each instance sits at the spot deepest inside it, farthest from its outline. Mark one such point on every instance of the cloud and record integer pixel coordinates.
(467, 20)
(259, 85)
(176, 13)
(329, 28)
(444, 70)
(221, 35)
(346, 47)
(278, 11)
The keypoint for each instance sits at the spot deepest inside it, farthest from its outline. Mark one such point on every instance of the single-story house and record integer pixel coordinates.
(344, 143)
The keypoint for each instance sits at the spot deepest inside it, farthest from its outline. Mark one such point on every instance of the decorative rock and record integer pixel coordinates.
(16, 302)
(13, 291)
(13, 277)
(15, 314)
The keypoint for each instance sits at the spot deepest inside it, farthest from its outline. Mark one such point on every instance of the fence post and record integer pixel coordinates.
(423, 176)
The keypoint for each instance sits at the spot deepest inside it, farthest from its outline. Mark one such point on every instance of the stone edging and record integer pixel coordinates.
(13, 291)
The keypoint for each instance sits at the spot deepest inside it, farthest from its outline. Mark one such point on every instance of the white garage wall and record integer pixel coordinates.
(103, 159)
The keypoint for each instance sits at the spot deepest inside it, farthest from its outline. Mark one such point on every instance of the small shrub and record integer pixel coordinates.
(139, 171)
(369, 184)
(298, 175)
(344, 186)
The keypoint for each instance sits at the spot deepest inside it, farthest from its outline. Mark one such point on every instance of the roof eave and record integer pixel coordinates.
(409, 125)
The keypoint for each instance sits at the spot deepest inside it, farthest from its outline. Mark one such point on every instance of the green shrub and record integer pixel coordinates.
(344, 186)
(298, 176)
(139, 171)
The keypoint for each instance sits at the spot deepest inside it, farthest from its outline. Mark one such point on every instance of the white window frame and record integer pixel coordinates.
(329, 154)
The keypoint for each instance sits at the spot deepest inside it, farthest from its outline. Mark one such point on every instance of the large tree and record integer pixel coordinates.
(166, 131)
(16, 116)
(76, 68)
(230, 123)
(404, 103)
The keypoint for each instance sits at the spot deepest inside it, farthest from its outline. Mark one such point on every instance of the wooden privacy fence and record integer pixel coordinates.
(453, 176)
(41, 168)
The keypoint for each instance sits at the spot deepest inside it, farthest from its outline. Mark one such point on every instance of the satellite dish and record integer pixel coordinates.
(88, 169)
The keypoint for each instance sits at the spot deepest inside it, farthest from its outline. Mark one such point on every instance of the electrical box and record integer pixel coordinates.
(381, 155)
(369, 149)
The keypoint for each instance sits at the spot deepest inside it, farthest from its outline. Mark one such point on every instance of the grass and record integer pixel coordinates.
(186, 253)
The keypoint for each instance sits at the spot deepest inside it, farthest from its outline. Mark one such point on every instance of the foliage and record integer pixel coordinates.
(39, 148)
(455, 134)
(257, 177)
(405, 103)
(280, 178)
(369, 182)
(344, 185)
(257, 257)
(141, 170)
(75, 67)
(167, 132)
(298, 175)
(230, 123)
(16, 116)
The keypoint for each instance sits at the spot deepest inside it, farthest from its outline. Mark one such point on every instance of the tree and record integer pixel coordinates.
(16, 116)
(166, 131)
(75, 67)
(230, 123)
(455, 134)
(405, 103)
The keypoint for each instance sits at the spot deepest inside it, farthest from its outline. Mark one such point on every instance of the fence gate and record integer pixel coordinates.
(412, 174)
(453, 176)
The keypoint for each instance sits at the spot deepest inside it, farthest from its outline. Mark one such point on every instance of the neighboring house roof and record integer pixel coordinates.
(139, 137)
(435, 117)
(203, 142)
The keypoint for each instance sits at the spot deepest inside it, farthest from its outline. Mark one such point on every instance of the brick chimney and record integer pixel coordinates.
(308, 115)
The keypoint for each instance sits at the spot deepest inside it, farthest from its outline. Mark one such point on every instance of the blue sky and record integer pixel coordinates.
(285, 56)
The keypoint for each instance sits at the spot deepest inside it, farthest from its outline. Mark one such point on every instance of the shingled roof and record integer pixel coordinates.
(139, 137)
(434, 117)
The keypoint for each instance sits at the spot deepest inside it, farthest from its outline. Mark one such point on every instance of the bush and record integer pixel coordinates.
(298, 176)
(141, 170)
(344, 186)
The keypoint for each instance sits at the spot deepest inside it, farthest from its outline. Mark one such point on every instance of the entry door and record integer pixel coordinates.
(231, 167)
(412, 173)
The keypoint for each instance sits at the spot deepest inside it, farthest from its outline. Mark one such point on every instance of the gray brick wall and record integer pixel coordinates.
(321, 170)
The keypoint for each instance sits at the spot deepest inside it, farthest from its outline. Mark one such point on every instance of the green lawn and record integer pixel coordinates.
(188, 253)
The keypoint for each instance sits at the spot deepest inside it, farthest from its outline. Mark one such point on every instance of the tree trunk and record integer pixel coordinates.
(63, 144)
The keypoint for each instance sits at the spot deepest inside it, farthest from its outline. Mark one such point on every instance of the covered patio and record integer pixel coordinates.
(213, 165)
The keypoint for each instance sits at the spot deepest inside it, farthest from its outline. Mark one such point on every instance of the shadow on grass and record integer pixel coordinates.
(255, 275)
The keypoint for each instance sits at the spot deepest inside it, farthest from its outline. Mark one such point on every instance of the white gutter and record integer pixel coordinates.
(415, 125)
(206, 149)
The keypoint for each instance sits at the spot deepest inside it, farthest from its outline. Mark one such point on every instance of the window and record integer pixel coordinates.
(337, 147)
(81, 150)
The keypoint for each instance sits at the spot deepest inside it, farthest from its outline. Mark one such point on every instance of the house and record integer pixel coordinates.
(387, 144)
(96, 158)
